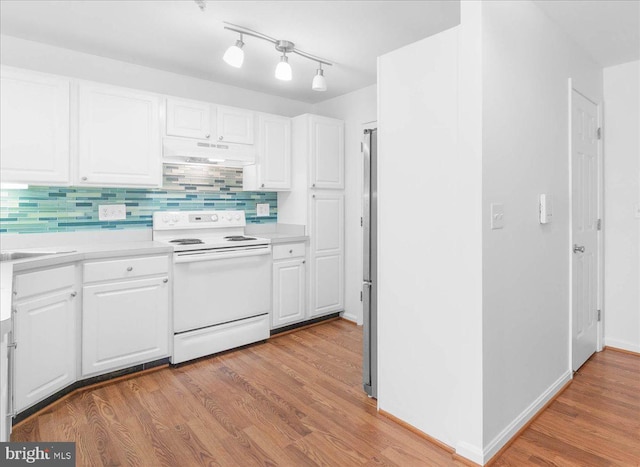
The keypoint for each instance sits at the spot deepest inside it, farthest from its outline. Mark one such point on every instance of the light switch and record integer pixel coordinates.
(545, 209)
(262, 210)
(497, 216)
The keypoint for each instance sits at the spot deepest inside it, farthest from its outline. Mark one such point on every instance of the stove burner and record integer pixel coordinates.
(238, 238)
(187, 241)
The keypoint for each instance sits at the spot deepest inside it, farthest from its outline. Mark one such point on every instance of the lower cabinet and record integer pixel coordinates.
(124, 321)
(44, 338)
(289, 284)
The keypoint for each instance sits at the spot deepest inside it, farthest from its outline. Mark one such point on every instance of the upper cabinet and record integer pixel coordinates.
(190, 119)
(326, 146)
(272, 171)
(118, 137)
(34, 119)
(234, 125)
(202, 120)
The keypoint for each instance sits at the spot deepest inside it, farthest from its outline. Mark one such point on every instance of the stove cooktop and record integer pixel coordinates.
(187, 241)
(238, 238)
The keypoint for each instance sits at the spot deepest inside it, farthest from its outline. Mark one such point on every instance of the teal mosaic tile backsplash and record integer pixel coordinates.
(66, 209)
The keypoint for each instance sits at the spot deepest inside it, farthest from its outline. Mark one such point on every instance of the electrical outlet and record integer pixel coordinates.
(262, 210)
(112, 212)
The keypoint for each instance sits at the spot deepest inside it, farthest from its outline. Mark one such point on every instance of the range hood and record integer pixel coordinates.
(191, 151)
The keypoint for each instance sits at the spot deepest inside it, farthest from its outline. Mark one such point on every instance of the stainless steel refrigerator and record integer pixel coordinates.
(370, 246)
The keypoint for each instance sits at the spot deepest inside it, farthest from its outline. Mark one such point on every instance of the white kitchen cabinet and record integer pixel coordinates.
(234, 125)
(5, 417)
(118, 137)
(34, 124)
(272, 170)
(326, 152)
(327, 253)
(44, 356)
(125, 313)
(289, 284)
(189, 119)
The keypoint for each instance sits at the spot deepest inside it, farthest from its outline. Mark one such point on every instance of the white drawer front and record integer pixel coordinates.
(45, 281)
(125, 268)
(290, 250)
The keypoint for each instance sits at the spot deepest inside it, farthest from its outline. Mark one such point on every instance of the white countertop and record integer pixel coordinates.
(278, 233)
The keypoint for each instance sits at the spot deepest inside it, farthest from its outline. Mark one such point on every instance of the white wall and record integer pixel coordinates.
(622, 199)
(527, 61)
(49, 59)
(355, 109)
(430, 238)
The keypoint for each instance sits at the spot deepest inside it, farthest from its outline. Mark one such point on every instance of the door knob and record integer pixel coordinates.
(578, 249)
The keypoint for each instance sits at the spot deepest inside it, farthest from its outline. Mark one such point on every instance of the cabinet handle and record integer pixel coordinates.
(84, 179)
(207, 136)
(130, 268)
(313, 196)
(290, 251)
(165, 280)
(313, 186)
(220, 138)
(262, 186)
(304, 261)
(73, 294)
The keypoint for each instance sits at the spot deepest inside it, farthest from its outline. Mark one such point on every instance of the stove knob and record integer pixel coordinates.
(165, 219)
(228, 217)
(214, 218)
(237, 217)
(175, 218)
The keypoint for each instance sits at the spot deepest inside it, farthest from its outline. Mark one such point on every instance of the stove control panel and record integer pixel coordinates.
(171, 220)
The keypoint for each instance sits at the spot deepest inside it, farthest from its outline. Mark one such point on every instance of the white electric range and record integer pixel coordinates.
(221, 283)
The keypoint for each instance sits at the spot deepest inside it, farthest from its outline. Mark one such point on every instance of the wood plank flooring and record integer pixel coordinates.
(296, 400)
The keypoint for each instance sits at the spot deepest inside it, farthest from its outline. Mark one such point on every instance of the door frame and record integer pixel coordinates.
(600, 240)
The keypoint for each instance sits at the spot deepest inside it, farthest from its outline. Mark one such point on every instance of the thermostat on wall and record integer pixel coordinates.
(546, 211)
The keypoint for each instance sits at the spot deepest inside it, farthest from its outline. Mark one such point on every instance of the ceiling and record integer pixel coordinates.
(175, 35)
(609, 30)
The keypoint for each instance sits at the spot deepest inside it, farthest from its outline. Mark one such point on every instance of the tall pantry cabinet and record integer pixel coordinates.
(317, 201)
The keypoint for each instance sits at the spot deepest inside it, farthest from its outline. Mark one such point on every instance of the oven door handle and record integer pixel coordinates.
(188, 257)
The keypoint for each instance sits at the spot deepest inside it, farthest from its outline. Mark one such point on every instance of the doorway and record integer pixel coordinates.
(585, 228)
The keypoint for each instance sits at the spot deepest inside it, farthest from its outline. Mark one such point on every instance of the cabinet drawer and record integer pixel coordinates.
(45, 281)
(290, 250)
(125, 268)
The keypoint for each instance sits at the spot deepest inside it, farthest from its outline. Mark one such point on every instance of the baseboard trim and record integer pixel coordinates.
(502, 442)
(622, 350)
(620, 346)
(349, 317)
(348, 320)
(283, 331)
(418, 432)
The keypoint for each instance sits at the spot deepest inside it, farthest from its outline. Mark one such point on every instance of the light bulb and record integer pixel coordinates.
(319, 82)
(234, 55)
(283, 69)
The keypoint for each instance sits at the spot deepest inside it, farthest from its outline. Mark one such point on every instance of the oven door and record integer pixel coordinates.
(220, 286)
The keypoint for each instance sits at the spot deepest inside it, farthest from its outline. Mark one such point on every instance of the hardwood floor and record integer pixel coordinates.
(297, 400)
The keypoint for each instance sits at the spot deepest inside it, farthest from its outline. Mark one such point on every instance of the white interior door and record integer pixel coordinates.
(584, 174)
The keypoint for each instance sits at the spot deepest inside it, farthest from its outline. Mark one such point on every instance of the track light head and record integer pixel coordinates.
(319, 82)
(283, 69)
(234, 55)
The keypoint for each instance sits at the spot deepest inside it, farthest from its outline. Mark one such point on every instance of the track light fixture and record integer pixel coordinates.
(234, 56)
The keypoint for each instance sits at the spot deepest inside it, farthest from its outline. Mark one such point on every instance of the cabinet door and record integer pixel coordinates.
(119, 137)
(45, 355)
(34, 124)
(191, 119)
(288, 292)
(123, 324)
(275, 152)
(327, 253)
(234, 125)
(327, 153)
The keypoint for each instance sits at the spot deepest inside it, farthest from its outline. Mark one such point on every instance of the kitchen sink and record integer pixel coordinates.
(15, 255)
